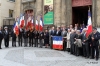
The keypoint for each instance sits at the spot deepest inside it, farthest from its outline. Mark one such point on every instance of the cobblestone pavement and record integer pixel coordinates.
(31, 56)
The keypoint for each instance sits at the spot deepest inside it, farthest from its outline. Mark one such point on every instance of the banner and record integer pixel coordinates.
(57, 42)
(48, 12)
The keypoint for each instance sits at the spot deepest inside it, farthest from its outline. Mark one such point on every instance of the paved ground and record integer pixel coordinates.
(31, 56)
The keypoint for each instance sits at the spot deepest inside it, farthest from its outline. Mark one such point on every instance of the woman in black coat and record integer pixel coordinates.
(46, 38)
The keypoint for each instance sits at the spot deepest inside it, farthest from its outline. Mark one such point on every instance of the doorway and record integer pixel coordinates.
(80, 15)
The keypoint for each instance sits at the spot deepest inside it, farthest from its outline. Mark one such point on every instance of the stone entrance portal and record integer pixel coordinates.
(80, 11)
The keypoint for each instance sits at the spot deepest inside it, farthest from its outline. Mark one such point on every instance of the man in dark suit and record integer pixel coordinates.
(13, 39)
(1, 37)
(36, 35)
(58, 32)
(72, 40)
(53, 33)
(25, 36)
(41, 37)
(95, 43)
(20, 37)
(6, 37)
(64, 35)
(30, 38)
(85, 43)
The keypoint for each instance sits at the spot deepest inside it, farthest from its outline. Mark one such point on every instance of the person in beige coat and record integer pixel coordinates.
(68, 40)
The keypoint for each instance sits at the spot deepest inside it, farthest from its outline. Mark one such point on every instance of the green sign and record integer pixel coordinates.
(48, 18)
(48, 12)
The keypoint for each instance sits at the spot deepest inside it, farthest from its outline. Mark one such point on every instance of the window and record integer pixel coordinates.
(12, 0)
(10, 13)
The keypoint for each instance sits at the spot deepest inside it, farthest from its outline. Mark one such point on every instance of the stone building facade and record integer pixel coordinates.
(7, 11)
(63, 10)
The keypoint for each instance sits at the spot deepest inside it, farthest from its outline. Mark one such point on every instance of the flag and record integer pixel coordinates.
(36, 25)
(21, 21)
(32, 23)
(28, 22)
(41, 24)
(57, 42)
(89, 26)
(16, 28)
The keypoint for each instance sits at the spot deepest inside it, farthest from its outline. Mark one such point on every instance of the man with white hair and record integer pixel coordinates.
(85, 44)
(78, 42)
(1, 37)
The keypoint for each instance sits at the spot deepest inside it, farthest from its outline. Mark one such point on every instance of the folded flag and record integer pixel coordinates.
(89, 27)
(36, 25)
(57, 42)
(21, 21)
(41, 24)
(16, 28)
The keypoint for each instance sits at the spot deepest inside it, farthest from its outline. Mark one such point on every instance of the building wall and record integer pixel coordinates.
(17, 8)
(62, 11)
(97, 13)
(4, 9)
(0, 12)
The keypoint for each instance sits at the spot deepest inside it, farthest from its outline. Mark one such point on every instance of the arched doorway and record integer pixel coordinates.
(80, 11)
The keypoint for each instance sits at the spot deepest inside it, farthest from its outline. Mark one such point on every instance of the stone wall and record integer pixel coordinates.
(62, 11)
(17, 8)
(97, 13)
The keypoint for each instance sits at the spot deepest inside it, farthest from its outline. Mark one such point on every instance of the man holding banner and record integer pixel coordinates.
(53, 33)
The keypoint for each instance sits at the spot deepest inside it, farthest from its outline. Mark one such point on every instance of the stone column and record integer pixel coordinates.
(63, 12)
(17, 8)
(97, 15)
(94, 16)
(39, 7)
(69, 12)
(57, 12)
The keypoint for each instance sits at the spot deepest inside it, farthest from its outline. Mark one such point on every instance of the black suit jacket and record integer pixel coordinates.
(6, 35)
(36, 35)
(96, 36)
(53, 33)
(13, 36)
(41, 35)
(72, 38)
(1, 35)
(58, 34)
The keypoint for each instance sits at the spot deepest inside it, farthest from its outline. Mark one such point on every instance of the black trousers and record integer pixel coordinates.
(77, 52)
(72, 49)
(51, 45)
(95, 48)
(20, 41)
(86, 50)
(13, 43)
(31, 42)
(0, 43)
(6, 41)
(64, 44)
(36, 43)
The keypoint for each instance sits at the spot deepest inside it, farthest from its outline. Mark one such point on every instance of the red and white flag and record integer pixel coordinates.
(89, 27)
(22, 22)
(29, 21)
(41, 24)
(37, 25)
(16, 28)
(57, 42)
(32, 23)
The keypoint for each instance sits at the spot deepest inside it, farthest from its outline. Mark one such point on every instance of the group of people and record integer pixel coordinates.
(75, 40)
